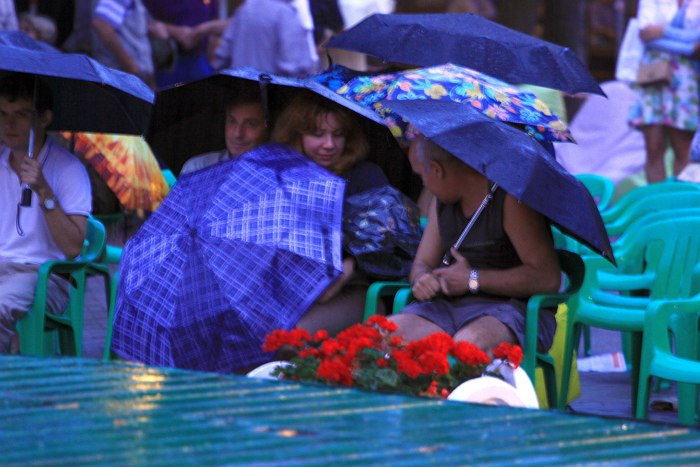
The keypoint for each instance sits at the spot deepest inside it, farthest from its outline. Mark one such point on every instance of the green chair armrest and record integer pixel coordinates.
(402, 298)
(612, 281)
(534, 305)
(380, 289)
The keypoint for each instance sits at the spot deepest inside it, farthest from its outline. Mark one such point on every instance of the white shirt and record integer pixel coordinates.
(69, 181)
(204, 160)
(662, 12)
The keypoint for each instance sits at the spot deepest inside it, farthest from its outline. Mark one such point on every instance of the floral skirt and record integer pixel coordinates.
(674, 104)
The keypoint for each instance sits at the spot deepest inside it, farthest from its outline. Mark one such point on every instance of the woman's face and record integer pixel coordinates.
(326, 145)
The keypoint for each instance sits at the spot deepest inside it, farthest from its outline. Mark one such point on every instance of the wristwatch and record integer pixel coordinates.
(473, 282)
(49, 204)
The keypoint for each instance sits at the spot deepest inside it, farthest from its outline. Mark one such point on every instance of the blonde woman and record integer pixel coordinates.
(331, 136)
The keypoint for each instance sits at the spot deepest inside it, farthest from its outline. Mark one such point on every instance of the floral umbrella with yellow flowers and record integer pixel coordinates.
(490, 96)
(127, 165)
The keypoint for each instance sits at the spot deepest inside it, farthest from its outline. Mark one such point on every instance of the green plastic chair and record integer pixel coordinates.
(36, 328)
(612, 213)
(659, 360)
(107, 353)
(661, 258)
(169, 177)
(601, 188)
(571, 265)
(652, 204)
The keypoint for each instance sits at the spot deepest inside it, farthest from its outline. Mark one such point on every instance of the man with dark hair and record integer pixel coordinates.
(245, 129)
(53, 226)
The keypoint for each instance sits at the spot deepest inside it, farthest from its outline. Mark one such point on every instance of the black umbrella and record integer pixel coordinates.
(471, 41)
(188, 119)
(515, 162)
(87, 96)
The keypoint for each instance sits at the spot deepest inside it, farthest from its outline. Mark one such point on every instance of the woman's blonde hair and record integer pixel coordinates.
(302, 116)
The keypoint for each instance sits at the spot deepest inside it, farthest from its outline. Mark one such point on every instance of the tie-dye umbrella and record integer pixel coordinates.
(127, 165)
(490, 96)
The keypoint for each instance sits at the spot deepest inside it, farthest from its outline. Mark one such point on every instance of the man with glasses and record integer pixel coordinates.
(53, 225)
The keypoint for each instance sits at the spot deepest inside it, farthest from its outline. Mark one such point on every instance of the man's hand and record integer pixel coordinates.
(454, 278)
(651, 32)
(30, 173)
(426, 286)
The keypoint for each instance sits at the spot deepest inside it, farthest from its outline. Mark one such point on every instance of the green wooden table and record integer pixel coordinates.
(78, 411)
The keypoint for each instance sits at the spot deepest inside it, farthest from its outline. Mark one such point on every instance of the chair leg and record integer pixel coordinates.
(573, 337)
(107, 354)
(587, 341)
(636, 355)
(642, 410)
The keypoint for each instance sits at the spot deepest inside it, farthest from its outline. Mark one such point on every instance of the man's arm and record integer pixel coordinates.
(425, 284)
(68, 231)
(111, 40)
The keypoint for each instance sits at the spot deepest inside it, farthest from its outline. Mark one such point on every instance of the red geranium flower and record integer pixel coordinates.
(370, 356)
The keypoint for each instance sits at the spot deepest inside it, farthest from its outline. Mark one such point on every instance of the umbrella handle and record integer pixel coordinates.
(26, 199)
(447, 259)
(265, 79)
(26, 196)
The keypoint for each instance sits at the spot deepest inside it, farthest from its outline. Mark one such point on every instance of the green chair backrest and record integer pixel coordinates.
(652, 204)
(169, 177)
(95, 239)
(631, 197)
(651, 217)
(669, 249)
(601, 188)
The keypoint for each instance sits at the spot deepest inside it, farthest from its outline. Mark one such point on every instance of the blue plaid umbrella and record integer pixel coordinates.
(235, 251)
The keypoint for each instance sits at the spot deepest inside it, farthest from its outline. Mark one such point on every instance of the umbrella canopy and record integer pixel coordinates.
(21, 39)
(235, 251)
(471, 41)
(514, 161)
(127, 165)
(87, 95)
(492, 97)
(189, 119)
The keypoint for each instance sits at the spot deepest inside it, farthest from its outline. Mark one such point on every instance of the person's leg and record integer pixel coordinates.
(412, 327)
(16, 298)
(17, 289)
(486, 332)
(680, 142)
(343, 310)
(655, 144)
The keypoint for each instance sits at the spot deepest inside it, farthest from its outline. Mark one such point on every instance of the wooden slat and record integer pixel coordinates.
(75, 411)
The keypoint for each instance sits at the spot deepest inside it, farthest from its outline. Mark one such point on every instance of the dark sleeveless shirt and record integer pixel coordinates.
(486, 245)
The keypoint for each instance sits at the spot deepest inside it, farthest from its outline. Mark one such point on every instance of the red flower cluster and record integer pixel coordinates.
(370, 356)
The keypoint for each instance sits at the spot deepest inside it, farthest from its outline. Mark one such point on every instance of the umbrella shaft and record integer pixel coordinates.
(447, 259)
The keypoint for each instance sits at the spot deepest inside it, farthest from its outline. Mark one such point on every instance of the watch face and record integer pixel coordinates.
(49, 204)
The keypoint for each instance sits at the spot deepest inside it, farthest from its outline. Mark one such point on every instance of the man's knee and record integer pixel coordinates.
(486, 333)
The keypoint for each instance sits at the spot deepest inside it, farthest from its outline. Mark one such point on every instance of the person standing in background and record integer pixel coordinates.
(266, 34)
(121, 39)
(60, 11)
(182, 18)
(667, 111)
(8, 16)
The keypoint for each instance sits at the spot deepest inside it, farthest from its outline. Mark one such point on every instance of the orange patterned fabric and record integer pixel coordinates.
(128, 166)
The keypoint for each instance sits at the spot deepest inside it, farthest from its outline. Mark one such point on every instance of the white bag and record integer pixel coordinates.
(630, 54)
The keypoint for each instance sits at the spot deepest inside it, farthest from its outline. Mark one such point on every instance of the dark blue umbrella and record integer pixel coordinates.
(515, 162)
(87, 95)
(471, 41)
(235, 251)
(188, 119)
